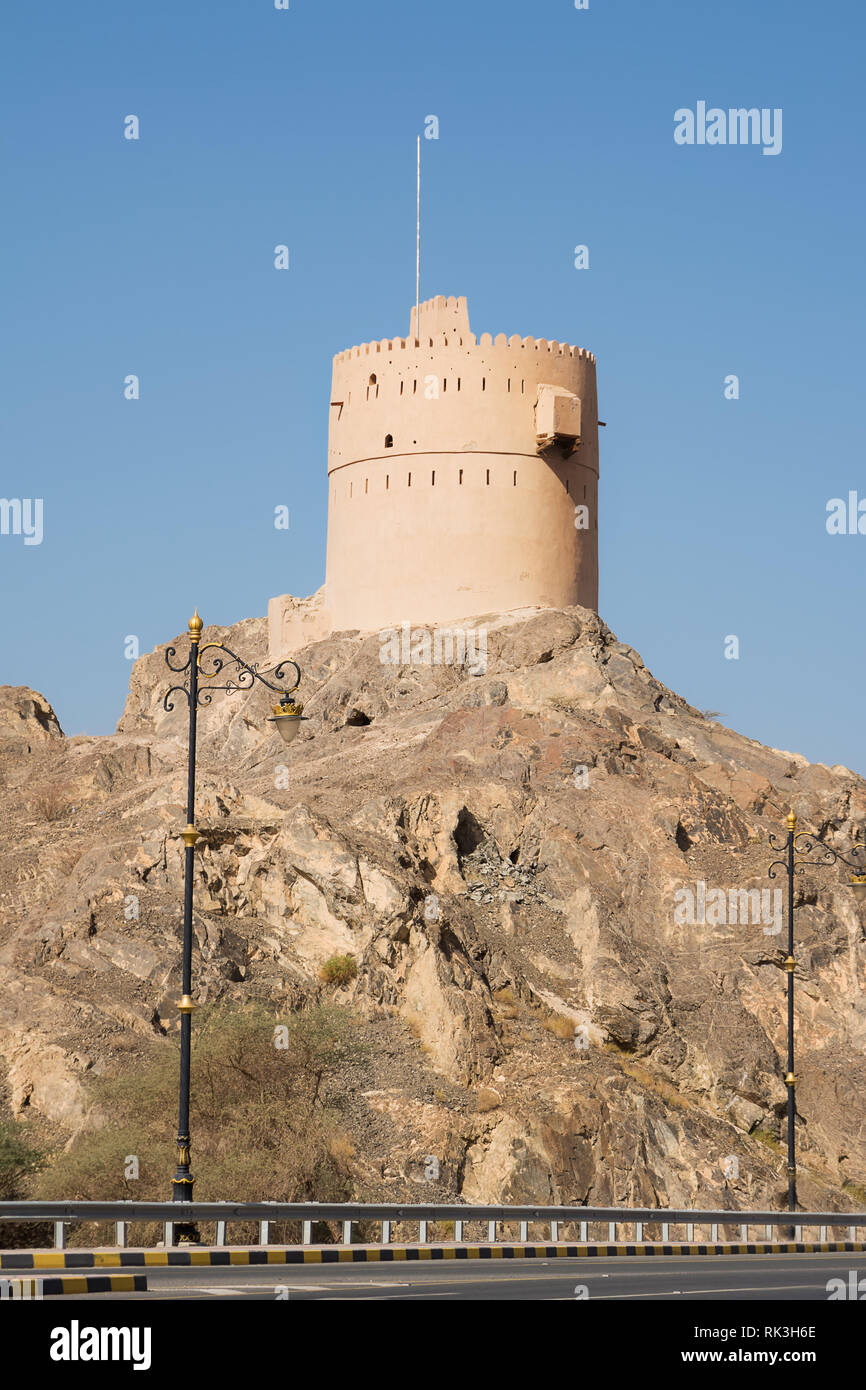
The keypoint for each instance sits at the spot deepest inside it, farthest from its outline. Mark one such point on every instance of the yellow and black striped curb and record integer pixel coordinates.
(71, 1283)
(385, 1254)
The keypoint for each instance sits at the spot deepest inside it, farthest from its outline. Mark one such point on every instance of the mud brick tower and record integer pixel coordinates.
(462, 480)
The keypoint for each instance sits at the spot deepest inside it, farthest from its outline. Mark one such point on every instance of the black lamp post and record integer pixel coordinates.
(287, 716)
(802, 843)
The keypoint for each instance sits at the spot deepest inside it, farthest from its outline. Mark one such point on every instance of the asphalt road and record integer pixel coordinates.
(697, 1277)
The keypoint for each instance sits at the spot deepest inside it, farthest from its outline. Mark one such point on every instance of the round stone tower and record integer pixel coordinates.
(462, 475)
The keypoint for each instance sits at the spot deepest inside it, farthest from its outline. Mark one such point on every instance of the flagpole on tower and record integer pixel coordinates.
(418, 251)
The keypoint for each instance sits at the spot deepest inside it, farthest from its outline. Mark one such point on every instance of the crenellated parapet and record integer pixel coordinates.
(454, 341)
(444, 324)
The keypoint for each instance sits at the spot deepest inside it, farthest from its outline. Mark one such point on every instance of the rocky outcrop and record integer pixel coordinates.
(507, 847)
(26, 718)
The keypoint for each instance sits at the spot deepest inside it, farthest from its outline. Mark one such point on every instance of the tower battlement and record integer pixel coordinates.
(445, 323)
(444, 314)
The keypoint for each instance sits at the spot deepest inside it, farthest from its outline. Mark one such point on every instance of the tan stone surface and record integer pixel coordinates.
(493, 903)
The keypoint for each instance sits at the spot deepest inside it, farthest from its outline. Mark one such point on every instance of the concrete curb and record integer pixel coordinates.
(386, 1254)
(84, 1283)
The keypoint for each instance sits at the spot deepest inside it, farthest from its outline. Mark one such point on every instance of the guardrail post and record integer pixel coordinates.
(851, 1233)
(458, 1231)
(582, 1233)
(554, 1230)
(386, 1232)
(221, 1233)
(347, 1233)
(120, 1234)
(264, 1232)
(822, 1233)
(611, 1231)
(422, 1232)
(665, 1231)
(768, 1233)
(638, 1232)
(524, 1231)
(307, 1233)
(690, 1231)
(168, 1234)
(744, 1233)
(491, 1232)
(59, 1235)
(714, 1232)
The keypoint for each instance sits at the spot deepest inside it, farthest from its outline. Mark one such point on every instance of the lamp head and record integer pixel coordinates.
(287, 716)
(858, 887)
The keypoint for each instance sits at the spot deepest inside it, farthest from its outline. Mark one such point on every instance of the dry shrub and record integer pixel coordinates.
(505, 1002)
(50, 802)
(560, 1027)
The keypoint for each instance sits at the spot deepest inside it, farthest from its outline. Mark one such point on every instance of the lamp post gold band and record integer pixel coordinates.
(189, 835)
(185, 1004)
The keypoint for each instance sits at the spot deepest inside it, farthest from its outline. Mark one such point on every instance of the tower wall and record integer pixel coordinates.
(440, 506)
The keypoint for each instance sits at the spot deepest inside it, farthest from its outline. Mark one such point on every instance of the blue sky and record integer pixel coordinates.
(260, 127)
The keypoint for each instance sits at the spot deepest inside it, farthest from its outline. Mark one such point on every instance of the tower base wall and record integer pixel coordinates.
(430, 538)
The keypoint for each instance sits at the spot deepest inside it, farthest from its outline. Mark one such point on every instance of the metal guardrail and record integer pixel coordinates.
(423, 1215)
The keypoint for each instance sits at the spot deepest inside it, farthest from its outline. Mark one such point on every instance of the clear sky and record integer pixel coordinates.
(260, 127)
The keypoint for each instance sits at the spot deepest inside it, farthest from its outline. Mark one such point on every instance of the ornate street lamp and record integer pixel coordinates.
(803, 843)
(287, 716)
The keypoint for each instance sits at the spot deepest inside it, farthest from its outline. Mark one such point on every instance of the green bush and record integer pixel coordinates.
(20, 1162)
(264, 1116)
(339, 970)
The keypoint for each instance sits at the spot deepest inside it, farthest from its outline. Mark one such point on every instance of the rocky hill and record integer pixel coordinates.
(503, 847)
